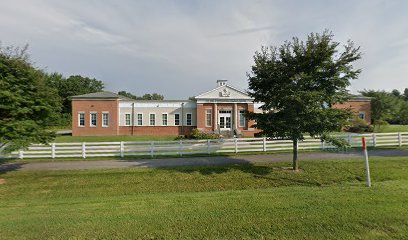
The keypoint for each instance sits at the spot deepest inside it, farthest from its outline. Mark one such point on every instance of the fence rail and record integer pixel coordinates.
(185, 147)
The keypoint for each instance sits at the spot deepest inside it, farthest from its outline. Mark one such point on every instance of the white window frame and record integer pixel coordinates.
(90, 119)
(191, 122)
(364, 115)
(167, 119)
(130, 119)
(210, 117)
(241, 116)
(150, 119)
(79, 119)
(103, 119)
(137, 119)
(179, 123)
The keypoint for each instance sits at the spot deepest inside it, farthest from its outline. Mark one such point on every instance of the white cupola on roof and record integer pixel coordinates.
(221, 82)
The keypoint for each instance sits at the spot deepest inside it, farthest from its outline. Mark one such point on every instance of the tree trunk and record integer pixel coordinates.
(295, 155)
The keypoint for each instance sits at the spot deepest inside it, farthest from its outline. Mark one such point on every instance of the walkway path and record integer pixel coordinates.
(193, 161)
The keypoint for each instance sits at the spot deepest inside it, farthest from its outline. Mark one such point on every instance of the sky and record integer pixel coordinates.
(180, 48)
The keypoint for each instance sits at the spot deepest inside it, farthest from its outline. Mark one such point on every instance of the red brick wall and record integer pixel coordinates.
(200, 116)
(155, 130)
(356, 107)
(88, 106)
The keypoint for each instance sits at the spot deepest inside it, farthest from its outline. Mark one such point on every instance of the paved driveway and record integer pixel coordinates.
(194, 161)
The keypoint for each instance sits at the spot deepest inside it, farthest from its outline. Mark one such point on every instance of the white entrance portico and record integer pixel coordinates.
(219, 110)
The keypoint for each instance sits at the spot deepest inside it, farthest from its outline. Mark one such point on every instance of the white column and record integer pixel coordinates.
(215, 117)
(235, 112)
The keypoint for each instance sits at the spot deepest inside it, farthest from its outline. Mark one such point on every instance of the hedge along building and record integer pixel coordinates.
(220, 110)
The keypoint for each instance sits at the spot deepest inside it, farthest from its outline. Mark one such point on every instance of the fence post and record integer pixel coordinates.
(52, 150)
(151, 149)
(374, 140)
(181, 148)
(122, 149)
(83, 150)
(350, 140)
(322, 145)
(264, 143)
(21, 154)
(208, 146)
(399, 139)
(236, 145)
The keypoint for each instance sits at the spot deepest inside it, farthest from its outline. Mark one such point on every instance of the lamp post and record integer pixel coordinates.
(182, 119)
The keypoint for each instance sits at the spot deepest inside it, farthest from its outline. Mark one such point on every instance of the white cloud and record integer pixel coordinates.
(179, 48)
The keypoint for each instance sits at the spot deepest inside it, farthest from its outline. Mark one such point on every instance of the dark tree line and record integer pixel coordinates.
(147, 96)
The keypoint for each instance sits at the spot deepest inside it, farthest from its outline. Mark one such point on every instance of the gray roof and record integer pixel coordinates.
(101, 95)
(360, 98)
(155, 101)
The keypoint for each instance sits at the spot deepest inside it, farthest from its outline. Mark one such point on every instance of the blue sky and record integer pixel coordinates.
(180, 48)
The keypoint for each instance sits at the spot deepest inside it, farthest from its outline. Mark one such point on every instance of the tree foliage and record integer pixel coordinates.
(298, 83)
(147, 96)
(391, 107)
(27, 103)
(71, 86)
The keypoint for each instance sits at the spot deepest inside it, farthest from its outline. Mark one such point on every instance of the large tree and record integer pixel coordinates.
(298, 82)
(27, 103)
(385, 106)
(405, 95)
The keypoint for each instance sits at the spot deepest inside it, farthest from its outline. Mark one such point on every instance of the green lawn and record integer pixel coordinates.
(395, 128)
(65, 138)
(112, 138)
(326, 200)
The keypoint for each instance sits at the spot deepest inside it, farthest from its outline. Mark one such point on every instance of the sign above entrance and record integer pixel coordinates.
(225, 93)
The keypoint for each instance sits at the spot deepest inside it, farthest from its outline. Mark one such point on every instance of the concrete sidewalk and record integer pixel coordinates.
(194, 161)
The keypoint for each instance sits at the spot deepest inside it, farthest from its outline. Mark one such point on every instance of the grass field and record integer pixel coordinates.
(112, 138)
(395, 128)
(65, 138)
(325, 200)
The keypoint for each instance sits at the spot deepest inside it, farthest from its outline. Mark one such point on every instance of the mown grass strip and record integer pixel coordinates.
(325, 200)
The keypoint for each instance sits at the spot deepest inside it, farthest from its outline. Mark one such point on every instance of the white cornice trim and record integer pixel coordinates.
(218, 88)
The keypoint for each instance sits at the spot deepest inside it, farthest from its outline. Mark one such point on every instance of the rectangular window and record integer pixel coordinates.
(361, 115)
(208, 118)
(93, 120)
(164, 119)
(152, 119)
(81, 119)
(189, 119)
(176, 119)
(139, 119)
(242, 118)
(105, 119)
(127, 119)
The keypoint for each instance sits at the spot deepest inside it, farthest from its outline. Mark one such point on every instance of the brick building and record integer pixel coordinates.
(219, 110)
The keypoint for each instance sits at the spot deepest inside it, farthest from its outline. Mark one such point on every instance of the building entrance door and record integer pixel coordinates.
(224, 119)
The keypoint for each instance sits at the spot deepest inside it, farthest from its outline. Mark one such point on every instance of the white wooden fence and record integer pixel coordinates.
(184, 147)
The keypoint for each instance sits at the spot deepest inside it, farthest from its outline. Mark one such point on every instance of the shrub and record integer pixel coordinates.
(180, 137)
(197, 134)
(380, 125)
(359, 126)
